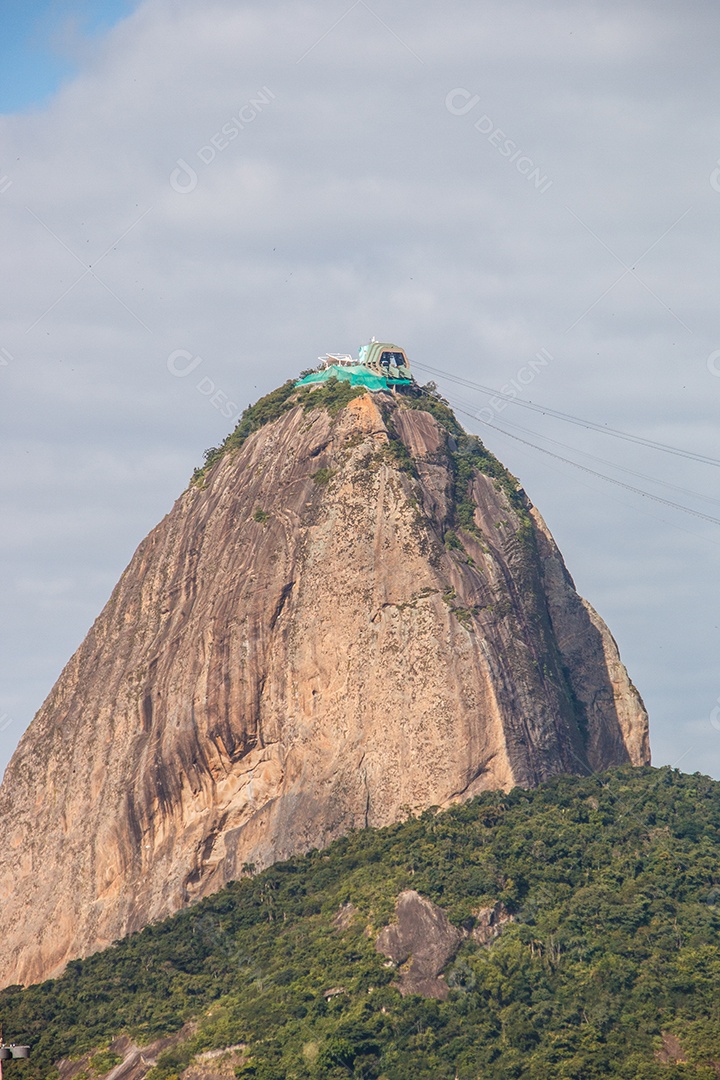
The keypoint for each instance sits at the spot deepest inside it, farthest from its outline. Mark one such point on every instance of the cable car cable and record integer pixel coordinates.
(613, 465)
(594, 472)
(569, 418)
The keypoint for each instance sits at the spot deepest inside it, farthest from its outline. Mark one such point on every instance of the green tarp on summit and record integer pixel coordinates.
(379, 366)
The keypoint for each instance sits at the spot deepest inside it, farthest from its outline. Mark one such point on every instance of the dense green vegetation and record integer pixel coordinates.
(614, 884)
(322, 477)
(332, 395)
(470, 455)
(429, 399)
(266, 409)
(467, 454)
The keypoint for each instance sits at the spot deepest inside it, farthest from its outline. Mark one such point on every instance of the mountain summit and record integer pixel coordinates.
(353, 612)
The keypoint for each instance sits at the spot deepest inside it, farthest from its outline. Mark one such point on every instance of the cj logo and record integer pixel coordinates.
(181, 370)
(460, 102)
(713, 360)
(715, 177)
(185, 179)
(715, 716)
(461, 977)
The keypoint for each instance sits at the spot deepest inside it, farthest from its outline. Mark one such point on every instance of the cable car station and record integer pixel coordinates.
(380, 365)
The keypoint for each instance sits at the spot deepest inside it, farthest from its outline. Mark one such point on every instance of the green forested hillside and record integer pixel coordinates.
(614, 885)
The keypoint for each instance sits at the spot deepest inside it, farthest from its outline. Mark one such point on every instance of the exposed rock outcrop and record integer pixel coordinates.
(489, 923)
(134, 1063)
(421, 942)
(309, 642)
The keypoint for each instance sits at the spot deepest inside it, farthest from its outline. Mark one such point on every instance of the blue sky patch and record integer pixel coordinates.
(39, 43)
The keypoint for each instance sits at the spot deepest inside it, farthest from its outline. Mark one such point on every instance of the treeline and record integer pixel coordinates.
(609, 969)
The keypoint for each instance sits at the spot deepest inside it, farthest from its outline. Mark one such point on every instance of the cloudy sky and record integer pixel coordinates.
(197, 199)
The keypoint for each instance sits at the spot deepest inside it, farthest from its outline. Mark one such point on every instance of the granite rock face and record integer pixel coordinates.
(307, 643)
(420, 942)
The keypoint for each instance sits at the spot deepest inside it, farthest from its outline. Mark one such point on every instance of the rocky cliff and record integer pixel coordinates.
(345, 617)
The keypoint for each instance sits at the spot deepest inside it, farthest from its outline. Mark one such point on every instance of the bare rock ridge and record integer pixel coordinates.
(345, 619)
